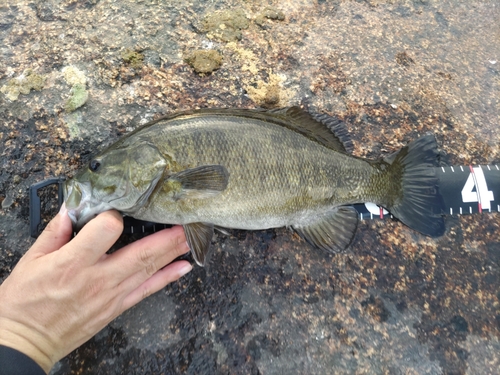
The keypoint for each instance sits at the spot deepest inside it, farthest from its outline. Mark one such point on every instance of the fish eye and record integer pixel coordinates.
(94, 165)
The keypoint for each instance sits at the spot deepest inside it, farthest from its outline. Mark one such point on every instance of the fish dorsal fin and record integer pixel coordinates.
(199, 236)
(320, 127)
(332, 231)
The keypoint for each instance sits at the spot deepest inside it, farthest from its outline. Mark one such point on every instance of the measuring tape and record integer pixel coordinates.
(464, 190)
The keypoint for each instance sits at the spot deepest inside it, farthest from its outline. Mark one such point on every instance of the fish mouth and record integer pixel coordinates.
(81, 205)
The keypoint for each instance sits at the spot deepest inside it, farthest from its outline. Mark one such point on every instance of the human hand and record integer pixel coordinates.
(62, 293)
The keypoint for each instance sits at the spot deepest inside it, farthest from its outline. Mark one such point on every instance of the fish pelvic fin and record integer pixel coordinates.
(199, 237)
(419, 205)
(333, 231)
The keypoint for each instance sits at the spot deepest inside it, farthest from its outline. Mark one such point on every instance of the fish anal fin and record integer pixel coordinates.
(199, 236)
(333, 231)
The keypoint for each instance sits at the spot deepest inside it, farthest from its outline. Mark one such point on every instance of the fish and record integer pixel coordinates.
(255, 169)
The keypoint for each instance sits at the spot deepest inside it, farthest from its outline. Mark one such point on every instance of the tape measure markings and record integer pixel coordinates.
(472, 177)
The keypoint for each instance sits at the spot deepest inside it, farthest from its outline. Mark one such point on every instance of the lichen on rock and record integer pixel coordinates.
(23, 84)
(74, 76)
(269, 93)
(225, 25)
(78, 81)
(78, 97)
(269, 13)
(205, 61)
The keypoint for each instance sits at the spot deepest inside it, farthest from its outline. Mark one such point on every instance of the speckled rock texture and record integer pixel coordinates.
(396, 302)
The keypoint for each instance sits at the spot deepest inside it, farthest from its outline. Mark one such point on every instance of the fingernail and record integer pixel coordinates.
(185, 269)
(63, 210)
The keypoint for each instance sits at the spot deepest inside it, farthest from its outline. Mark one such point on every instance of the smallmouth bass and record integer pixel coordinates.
(255, 169)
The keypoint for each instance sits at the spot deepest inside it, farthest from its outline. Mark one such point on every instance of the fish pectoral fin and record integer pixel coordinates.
(333, 231)
(201, 182)
(199, 236)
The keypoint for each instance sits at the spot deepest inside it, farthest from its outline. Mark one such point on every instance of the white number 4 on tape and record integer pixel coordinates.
(482, 195)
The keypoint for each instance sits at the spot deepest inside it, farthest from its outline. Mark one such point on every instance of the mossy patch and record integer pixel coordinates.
(225, 25)
(133, 58)
(23, 84)
(78, 97)
(205, 61)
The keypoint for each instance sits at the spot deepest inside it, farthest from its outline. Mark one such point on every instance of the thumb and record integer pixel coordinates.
(55, 235)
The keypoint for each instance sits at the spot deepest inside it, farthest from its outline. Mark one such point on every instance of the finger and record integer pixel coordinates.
(56, 234)
(133, 281)
(97, 236)
(147, 255)
(158, 281)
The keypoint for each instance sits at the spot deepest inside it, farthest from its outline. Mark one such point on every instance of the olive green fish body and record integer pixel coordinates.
(249, 169)
(276, 177)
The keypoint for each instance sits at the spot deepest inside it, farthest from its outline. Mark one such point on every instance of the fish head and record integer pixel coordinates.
(121, 178)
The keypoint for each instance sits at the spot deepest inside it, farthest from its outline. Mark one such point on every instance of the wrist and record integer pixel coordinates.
(21, 338)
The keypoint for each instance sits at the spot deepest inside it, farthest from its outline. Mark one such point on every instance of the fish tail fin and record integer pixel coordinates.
(420, 205)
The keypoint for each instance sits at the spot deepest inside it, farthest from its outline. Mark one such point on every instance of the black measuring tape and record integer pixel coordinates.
(465, 190)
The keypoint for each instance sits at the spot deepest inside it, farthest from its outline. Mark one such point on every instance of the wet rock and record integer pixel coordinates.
(6, 23)
(45, 11)
(205, 61)
(260, 343)
(152, 58)
(376, 308)
(8, 260)
(402, 58)
(339, 57)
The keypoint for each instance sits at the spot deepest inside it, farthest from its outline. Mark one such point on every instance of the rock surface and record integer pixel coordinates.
(396, 302)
